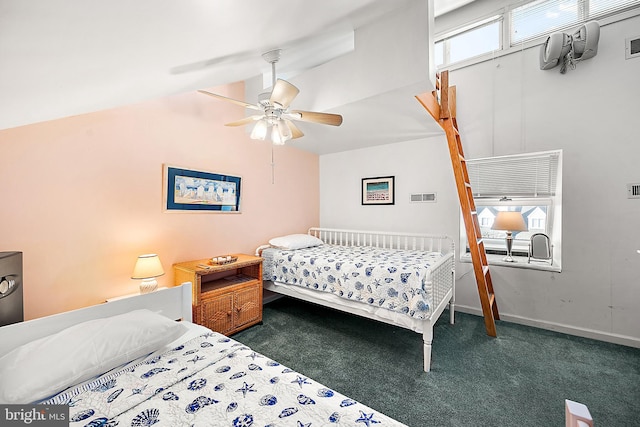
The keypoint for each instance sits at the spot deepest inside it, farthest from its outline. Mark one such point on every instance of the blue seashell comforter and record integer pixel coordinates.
(390, 278)
(212, 380)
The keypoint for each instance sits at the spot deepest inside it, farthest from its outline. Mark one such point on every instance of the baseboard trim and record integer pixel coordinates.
(557, 327)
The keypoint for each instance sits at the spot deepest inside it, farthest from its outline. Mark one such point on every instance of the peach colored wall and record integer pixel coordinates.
(82, 196)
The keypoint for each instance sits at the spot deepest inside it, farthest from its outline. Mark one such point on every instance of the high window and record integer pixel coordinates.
(542, 17)
(478, 39)
(515, 26)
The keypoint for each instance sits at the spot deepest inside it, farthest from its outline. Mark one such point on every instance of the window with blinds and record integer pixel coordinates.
(523, 175)
(518, 24)
(527, 183)
(542, 17)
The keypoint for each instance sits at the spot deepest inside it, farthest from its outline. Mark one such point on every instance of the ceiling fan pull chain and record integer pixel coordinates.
(273, 167)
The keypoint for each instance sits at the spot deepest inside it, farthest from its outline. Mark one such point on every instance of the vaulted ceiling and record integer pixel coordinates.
(67, 57)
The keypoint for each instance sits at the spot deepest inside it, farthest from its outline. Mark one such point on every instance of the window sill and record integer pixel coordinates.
(520, 262)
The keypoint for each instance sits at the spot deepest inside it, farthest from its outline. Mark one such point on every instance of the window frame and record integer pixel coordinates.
(584, 13)
(497, 245)
(547, 167)
(507, 47)
(446, 38)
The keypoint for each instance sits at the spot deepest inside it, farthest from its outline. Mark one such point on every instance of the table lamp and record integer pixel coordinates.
(147, 268)
(509, 221)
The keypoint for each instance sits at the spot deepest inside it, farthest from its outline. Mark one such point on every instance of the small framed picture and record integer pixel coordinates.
(378, 191)
(200, 191)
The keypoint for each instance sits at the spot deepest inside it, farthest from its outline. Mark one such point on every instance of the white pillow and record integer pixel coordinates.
(295, 241)
(47, 365)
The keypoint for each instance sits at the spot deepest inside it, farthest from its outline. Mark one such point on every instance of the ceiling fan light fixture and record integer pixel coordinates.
(284, 130)
(275, 136)
(275, 108)
(260, 130)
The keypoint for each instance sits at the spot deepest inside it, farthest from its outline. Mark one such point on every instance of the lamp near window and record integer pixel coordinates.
(509, 221)
(147, 268)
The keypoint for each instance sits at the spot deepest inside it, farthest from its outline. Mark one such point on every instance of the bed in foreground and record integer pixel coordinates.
(127, 363)
(402, 279)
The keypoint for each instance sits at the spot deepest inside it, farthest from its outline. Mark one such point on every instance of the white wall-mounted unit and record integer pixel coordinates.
(568, 49)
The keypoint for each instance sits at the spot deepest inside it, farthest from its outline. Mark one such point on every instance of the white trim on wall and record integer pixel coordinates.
(557, 327)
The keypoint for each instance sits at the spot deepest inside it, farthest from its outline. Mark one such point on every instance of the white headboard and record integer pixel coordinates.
(174, 303)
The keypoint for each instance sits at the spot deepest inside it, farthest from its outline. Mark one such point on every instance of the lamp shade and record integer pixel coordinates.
(260, 130)
(510, 221)
(147, 266)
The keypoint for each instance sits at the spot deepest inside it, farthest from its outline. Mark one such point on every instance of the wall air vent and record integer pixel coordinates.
(423, 197)
(633, 191)
(632, 47)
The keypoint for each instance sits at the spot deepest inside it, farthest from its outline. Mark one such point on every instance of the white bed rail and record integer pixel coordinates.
(385, 240)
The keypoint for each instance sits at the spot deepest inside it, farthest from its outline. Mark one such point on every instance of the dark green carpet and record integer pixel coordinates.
(519, 379)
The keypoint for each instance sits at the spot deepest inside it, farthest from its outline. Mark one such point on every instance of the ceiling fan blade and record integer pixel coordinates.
(283, 93)
(235, 101)
(244, 121)
(295, 132)
(314, 117)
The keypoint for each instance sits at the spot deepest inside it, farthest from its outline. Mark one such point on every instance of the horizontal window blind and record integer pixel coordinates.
(543, 17)
(598, 8)
(522, 175)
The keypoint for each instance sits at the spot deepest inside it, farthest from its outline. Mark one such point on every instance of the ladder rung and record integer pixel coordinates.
(492, 299)
(485, 270)
(467, 184)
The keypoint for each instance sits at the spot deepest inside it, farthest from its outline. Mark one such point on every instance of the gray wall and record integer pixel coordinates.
(508, 106)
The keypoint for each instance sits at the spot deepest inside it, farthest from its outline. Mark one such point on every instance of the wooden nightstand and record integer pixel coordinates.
(226, 298)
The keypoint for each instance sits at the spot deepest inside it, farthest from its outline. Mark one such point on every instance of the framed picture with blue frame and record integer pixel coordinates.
(200, 191)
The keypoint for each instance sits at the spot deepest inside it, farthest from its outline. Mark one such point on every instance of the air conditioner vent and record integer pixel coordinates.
(632, 48)
(633, 191)
(423, 197)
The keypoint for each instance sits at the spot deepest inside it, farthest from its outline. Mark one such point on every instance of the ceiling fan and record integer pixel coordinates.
(274, 106)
